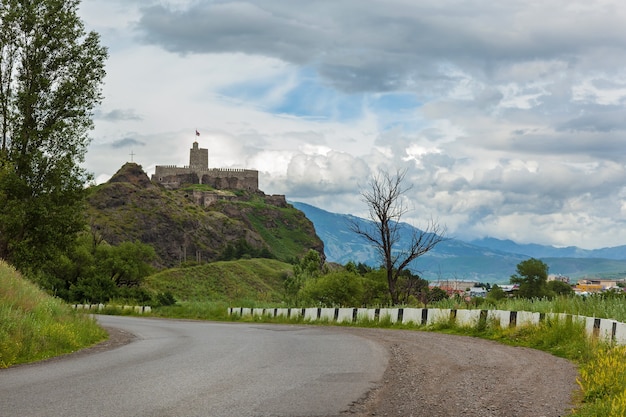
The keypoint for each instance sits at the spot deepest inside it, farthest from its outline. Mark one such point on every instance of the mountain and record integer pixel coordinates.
(196, 222)
(543, 251)
(491, 261)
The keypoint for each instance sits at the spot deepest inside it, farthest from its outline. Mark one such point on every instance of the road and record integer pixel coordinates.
(187, 368)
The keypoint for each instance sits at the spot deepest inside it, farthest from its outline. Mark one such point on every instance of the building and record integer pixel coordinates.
(591, 285)
(198, 172)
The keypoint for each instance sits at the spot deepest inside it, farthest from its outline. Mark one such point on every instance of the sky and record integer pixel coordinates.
(508, 117)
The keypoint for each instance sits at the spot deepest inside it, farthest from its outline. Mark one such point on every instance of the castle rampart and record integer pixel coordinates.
(198, 172)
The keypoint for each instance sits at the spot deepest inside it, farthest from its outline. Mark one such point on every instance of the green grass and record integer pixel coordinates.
(244, 279)
(288, 234)
(590, 306)
(35, 326)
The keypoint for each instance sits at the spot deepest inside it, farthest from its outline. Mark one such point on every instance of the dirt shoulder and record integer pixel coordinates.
(431, 374)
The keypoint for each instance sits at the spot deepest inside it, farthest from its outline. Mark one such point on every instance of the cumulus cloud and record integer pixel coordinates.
(507, 116)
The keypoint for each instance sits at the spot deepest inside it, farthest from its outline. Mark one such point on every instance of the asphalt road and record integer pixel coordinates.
(186, 368)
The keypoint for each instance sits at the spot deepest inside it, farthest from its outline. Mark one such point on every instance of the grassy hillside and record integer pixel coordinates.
(181, 227)
(245, 279)
(35, 326)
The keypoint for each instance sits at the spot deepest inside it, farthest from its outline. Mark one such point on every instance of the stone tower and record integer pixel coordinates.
(198, 158)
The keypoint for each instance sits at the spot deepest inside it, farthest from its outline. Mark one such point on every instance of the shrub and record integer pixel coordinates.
(340, 288)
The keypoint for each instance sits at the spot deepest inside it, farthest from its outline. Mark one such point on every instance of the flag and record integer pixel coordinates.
(197, 133)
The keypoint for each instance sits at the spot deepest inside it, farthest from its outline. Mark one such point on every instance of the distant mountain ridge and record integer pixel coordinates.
(543, 251)
(485, 260)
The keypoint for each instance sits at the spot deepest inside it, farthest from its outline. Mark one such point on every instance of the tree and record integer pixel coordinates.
(532, 275)
(51, 73)
(560, 288)
(310, 266)
(384, 199)
(335, 289)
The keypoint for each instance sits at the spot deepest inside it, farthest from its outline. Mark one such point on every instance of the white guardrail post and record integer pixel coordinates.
(607, 329)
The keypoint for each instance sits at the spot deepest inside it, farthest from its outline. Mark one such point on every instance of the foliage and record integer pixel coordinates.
(164, 299)
(241, 248)
(335, 289)
(603, 383)
(375, 290)
(95, 272)
(532, 275)
(496, 294)
(436, 294)
(310, 266)
(384, 199)
(51, 71)
(559, 288)
(35, 326)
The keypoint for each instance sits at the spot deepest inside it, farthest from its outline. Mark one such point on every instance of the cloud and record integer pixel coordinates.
(126, 142)
(507, 116)
(390, 46)
(117, 115)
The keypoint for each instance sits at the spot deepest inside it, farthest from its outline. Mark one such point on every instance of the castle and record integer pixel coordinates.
(198, 172)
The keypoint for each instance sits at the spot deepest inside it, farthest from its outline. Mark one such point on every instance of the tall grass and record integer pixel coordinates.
(601, 306)
(35, 326)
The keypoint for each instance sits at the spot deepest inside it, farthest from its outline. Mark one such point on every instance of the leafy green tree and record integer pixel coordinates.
(375, 290)
(437, 294)
(51, 73)
(384, 199)
(98, 272)
(335, 289)
(310, 266)
(532, 276)
(93, 289)
(125, 264)
(560, 288)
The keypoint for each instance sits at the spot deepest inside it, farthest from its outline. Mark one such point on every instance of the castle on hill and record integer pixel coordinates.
(198, 172)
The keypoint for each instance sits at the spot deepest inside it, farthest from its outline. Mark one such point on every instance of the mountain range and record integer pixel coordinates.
(485, 260)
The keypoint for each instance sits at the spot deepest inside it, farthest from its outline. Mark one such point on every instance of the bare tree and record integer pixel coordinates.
(383, 196)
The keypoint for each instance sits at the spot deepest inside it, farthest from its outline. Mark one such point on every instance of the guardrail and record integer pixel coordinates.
(606, 329)
(98, 307)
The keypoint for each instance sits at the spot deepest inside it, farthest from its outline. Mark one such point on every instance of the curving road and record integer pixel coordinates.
(185, 368)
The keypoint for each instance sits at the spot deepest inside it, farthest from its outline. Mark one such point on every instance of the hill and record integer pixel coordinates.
(244, 279)
(196, 222)
(34, 325)
(455, 259)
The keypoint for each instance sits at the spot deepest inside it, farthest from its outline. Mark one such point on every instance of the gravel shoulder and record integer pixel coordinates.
(432, 374)
(437, 375)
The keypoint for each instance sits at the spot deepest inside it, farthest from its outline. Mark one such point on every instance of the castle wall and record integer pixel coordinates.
(198, 172)
(221, 179)
(231, 179)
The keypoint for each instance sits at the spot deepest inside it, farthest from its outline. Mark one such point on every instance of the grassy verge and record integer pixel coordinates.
(35, 326)
(601, 306)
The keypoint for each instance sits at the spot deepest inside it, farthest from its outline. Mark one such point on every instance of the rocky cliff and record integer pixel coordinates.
(181, 227)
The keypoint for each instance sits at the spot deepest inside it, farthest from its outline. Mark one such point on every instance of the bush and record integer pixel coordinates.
(340, 288)
(164, 299)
